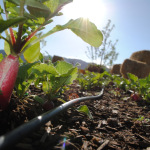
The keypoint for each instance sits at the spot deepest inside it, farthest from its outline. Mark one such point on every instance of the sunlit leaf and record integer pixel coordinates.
(65, 1)
(46, 86)
(39, 20)
(43, 69)
(56, 5)
(84, 109)
(6, 48)
(86, 30)
(36, 4)
(32, 53)
(133, 77)
(142, 82)
(63, 67)
(63, 79)
(52, 5)
(37, 9)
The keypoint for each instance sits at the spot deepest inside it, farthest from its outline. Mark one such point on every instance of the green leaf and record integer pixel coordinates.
(132, 77)
(142, 82)
(61, 100)
(54, 79)
(72, 73)
(25, 78)
(84, 109)
(38, 99)
(1, 10)
(36, 4)
(41, 57)
(7, 48)
(63, 67)
(52, 5)
(62, 2)
(86, 30)
(20, 60)
(46, 87)
(43, 69)
(1, 57)
(5, 24)
(55, 5)
(38, 9)
(64, 79)
(16, 11)
(32, 53)
(16, 2)
(126, 81)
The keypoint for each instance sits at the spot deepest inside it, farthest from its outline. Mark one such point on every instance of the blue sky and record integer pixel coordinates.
(132, 28)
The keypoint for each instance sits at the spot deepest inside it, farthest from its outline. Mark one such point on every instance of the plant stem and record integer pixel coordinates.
(12, 37)
(1, 37)
(18, 41)
(13, 40)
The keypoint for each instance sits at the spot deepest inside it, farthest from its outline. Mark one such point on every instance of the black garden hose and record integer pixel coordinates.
(17, 134)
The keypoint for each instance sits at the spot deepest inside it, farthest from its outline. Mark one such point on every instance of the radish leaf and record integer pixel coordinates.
(84, 109)
(86, 30)
(25, 78)
(34, 50)
(5, 24)
(63, 67)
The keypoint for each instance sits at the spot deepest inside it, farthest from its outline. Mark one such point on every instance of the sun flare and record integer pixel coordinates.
(91, 9)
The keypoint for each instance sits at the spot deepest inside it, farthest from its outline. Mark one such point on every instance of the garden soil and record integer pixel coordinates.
(118, 123)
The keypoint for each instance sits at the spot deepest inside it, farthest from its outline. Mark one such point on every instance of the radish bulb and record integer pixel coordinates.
(8, 73)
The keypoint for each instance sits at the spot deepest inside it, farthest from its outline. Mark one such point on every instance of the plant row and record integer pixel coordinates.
(92, 81)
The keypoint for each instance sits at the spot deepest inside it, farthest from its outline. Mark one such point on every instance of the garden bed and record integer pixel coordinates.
(118, 123)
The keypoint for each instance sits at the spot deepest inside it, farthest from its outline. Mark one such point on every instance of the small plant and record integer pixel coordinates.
(135, 97)
(142, 119)
(54, 78)
(91, 80)
(27, 17)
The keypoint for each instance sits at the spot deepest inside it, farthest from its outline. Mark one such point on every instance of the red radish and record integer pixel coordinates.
(48, 105)
(8, 73)
(135, 96)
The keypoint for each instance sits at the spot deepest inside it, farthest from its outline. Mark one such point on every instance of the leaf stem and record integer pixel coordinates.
(18, 41)
(13, 40)
(1, 37)
(12, 37)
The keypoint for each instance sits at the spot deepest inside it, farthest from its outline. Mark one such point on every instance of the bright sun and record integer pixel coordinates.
(92, 9)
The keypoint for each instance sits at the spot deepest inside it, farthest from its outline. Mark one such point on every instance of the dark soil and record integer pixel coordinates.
(118, 123)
